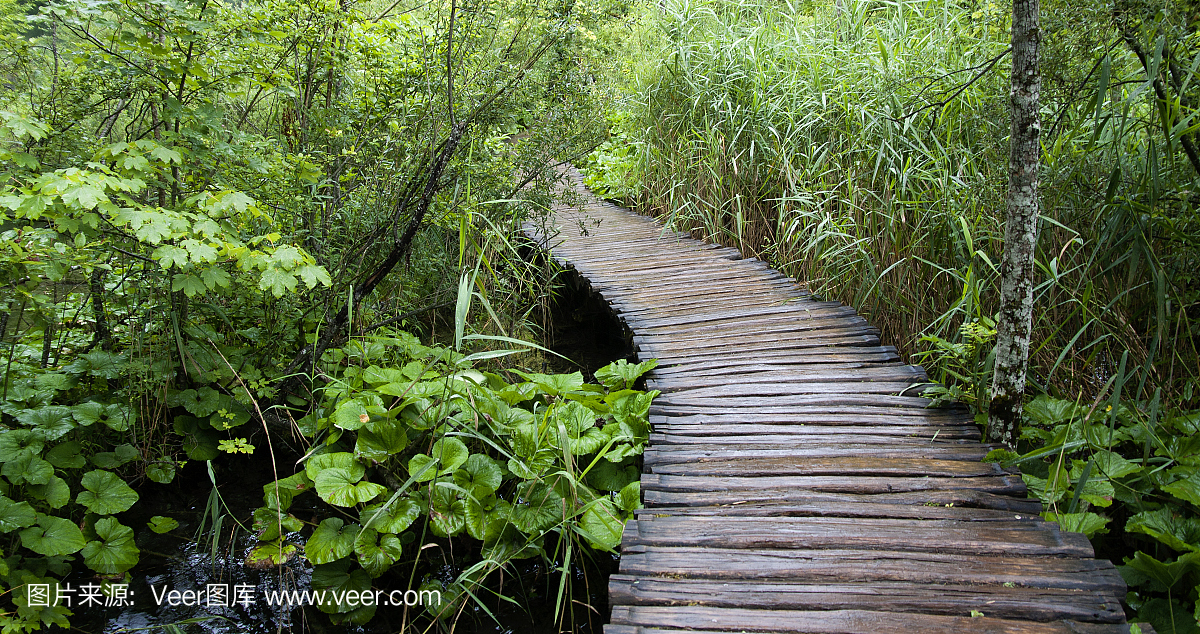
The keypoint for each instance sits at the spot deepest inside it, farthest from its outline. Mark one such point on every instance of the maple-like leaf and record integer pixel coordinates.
(169, 255)
(277, 281)
(188, 283)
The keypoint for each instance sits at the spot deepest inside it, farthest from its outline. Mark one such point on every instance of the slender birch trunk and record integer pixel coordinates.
(1020, 229)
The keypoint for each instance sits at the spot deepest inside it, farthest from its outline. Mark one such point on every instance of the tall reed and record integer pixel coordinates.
(864, 152)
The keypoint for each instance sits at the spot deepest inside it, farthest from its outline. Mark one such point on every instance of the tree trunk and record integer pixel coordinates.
(103, 333)
(1020, 230)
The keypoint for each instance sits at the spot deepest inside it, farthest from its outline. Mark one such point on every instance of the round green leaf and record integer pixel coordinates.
(53, 421)
(14, 515)
(66, 456)
(88, 413)
(609, 476)
(486, 519)
(332, 540)
(162, 471)
(377, 551)
(630, 498)
(1178, 532)
(114, 552)
(479, 474)
(269, 523)
(15, 441)
(447, 455)
(450, 453)
(590, 442)
(53, 537)
(447, 513)
(576, 418)
(120, 455)
(162, 524)
(398, 516)
(200, 403)
(338, 487)
(269, 554)
(28, 467)
(341, 460)
(377, 441)
(56, 492)
(446, 601)
(199, 439)
(602, 525)
(105, 493)
(541, 508)
(422, 468)
(118, 416)
(351, 415)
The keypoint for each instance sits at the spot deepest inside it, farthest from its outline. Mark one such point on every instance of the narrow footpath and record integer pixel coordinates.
(795, 481)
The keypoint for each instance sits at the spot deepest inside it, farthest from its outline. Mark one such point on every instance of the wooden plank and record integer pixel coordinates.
(1035, 604)
(651, 315)
(896, 441)
(830, 354)
(711, 453)
(945, 498)
(870, 566)
(754, 367)
(830, 414)
(804, 310)
(893, 437)
(1002, 485)
(864, 465)
(790, 388)
(965, 538)
(833, 344)
(852, 336)
(647, 619)
(778, 508)
(784, 325)
(754, 341)
(781, 404)
(799, 374)
(722, 315)
(709, 275)
(775, 404)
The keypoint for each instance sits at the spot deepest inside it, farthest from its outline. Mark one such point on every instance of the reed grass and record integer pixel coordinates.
(855, 153)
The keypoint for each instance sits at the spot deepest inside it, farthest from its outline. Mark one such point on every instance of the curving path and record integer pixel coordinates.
(793, 483)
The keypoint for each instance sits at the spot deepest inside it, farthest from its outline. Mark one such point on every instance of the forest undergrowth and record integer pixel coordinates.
(261, 257)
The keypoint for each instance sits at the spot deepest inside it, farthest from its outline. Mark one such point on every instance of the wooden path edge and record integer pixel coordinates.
(795, 481)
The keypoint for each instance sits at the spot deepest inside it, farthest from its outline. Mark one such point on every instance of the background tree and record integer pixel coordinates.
(1015, 317)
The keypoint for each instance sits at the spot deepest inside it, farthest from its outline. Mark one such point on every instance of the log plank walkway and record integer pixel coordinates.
(794, 482)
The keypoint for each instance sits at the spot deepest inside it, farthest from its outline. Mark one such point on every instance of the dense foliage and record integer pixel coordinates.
(541, 467)
(209, 214)
(861, 147)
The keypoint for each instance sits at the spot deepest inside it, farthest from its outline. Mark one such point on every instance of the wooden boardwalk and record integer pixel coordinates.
(794, 481)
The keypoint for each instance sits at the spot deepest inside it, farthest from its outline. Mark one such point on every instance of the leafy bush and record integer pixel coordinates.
(62, 482)
(411, 440)
(1123, 462)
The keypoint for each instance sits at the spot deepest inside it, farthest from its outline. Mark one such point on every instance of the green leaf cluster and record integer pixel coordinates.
(411, 439)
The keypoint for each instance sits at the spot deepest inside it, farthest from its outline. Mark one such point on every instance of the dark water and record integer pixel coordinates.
(185, 558)
(176, 561)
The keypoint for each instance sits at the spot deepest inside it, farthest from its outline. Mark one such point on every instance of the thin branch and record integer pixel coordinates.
(132, 255)
(982, 69)
(400, 318)
(1184, 139)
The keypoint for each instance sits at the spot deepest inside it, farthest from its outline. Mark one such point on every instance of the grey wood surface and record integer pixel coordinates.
(796, 481)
